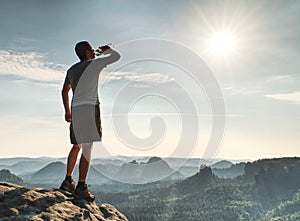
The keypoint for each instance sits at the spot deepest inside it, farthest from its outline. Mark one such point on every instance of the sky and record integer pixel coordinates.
(186, 68)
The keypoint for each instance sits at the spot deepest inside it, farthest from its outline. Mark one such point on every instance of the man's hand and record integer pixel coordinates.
(104, 49)
(68, 116)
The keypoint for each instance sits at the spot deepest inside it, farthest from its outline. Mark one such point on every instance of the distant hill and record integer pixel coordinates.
(253, 169)
(104, 161)
(188, 171)
(25, 165)
(153, 170)
(55, 172)
(156, 169)
(155, 159)
(230, 172)
(7, 176)
(176, 163)
(277, 179)
(221, 164)
(130, 172)
(223, 169)
(51, 173)
(15, 160)
(107, 169)
(267, 191)
(197, 182)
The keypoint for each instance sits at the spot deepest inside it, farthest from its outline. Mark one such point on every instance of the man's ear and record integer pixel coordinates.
(86, 54)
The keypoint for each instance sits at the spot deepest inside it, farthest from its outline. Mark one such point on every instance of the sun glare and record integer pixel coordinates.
(222, 43)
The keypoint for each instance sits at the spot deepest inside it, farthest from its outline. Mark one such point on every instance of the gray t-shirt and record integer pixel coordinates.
(83, 77)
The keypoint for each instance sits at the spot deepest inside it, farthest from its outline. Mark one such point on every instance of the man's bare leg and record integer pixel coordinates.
(68, 184)
(81, 190)
(72, 158)
(85, 161)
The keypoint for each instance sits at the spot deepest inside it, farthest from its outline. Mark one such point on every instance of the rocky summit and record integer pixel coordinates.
(20, 203)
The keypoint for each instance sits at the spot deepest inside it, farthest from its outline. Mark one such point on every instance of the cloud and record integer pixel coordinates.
(293, 97)
(31, 66)
(240, 91)
(141, 80)
(34, 66)
(280, 79)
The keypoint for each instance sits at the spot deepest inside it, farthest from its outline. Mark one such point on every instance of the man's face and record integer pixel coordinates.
(90, 53)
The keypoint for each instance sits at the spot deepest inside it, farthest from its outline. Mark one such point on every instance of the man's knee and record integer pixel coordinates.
(76, 147)
(87, 150)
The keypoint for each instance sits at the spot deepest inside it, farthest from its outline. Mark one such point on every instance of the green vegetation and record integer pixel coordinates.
(287, 210)
(6, 176)
(269, 190)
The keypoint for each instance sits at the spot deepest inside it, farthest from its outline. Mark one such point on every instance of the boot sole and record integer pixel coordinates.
(66, 189)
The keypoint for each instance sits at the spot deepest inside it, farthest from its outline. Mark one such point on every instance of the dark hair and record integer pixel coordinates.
(81, 48)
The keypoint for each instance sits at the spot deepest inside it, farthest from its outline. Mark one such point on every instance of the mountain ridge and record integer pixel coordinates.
(55, 171)
(268, 191)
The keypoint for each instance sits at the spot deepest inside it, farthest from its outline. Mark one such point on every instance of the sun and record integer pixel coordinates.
(222, 43)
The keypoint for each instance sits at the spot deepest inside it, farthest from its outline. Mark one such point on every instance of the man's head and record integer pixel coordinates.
(84, 51)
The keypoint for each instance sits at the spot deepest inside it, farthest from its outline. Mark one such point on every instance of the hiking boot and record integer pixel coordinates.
(83, 194)
(68, 186)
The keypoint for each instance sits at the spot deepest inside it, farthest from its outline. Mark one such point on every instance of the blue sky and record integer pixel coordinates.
(259, 78)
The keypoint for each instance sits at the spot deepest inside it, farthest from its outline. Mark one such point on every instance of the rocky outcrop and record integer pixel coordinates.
(20, 203)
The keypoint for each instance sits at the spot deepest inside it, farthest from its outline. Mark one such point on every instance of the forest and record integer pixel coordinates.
(269, 190)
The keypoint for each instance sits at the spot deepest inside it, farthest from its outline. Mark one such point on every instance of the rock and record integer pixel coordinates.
(19, 203)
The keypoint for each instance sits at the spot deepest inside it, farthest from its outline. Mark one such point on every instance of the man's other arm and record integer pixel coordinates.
(65, 98)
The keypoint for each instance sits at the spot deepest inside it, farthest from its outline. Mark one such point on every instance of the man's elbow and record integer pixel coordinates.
(118, 56)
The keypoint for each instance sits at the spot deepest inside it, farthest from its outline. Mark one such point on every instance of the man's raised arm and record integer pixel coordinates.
(113, 56)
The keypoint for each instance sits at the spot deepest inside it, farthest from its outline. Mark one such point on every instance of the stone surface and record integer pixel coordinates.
(19, 203)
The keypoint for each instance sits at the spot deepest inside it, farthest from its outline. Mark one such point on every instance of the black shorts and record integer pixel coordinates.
(86, 124)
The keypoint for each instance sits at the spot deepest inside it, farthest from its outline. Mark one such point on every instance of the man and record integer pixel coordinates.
(84, 116)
